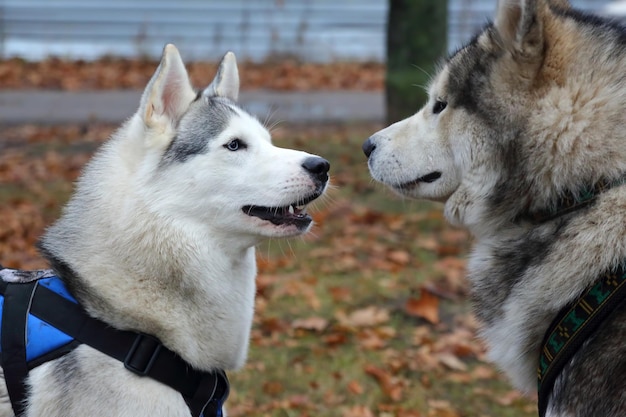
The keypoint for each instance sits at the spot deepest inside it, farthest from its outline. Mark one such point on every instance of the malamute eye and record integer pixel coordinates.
(235, 145)
(439, 106)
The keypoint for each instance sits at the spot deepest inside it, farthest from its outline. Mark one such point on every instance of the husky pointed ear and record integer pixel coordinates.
(169, 92)
(226, 82)
(519, 23)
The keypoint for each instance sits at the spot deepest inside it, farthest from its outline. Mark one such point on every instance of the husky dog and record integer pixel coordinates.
(520, 123)
(159, 239)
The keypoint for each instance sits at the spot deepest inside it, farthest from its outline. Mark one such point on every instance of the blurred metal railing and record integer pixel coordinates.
(310, 30)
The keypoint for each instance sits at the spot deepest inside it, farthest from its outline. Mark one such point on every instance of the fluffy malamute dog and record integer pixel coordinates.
(157, 246)
(524, 141)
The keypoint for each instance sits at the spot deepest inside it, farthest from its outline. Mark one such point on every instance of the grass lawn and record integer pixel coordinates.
(365, 316)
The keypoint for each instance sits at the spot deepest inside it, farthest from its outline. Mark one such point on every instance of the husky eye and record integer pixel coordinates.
(235, 145)
(439, 106)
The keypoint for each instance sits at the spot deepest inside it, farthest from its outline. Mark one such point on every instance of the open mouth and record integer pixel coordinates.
(292, 214)
(428, 178)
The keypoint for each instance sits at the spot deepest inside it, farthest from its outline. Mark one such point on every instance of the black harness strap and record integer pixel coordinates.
(144, 355)
(574, 325)
(17, 299)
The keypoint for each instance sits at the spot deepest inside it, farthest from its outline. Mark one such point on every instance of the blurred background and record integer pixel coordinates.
(257, 30)
(368, 315)
(398, 36)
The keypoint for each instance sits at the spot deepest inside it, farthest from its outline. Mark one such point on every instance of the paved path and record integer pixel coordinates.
(56, 107)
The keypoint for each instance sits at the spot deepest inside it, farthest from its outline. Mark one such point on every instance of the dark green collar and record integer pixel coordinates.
(574, 200)
(575, 324)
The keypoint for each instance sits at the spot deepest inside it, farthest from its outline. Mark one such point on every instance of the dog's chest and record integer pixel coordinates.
(41, 321)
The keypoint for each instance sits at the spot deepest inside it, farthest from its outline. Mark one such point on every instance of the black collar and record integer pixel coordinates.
(572, 201)
(575, 324)
(204, 392)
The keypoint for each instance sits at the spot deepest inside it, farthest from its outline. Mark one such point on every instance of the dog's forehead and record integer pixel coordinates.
(207, 119)
(467, 72)
(438, 86)
(212, 112)
(233, 119)
(219, 113)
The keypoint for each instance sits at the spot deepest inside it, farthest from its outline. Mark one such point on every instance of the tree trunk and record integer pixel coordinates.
(416, 41)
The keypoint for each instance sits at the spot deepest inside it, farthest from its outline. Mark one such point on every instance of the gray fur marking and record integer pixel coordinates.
(205, 120)
(470, 67)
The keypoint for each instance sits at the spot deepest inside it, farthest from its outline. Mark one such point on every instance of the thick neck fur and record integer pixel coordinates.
(571, 134)
(578, 120)
(137, 269)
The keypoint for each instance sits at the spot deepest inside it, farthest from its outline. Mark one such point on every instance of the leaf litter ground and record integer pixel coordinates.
(367, 316)
(118, 73)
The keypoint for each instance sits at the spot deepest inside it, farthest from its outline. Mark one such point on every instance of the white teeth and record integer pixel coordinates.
(301, 207)
(291, 210)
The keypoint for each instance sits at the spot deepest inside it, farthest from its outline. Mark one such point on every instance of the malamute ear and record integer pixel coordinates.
(169, 92)
(226, 82)
(520, 26)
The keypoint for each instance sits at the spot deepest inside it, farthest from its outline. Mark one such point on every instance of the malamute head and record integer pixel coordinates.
(532, 107)
(521, 124)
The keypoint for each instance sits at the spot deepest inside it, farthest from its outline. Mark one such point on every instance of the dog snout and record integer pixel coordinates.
(317, 167)
(368, 147)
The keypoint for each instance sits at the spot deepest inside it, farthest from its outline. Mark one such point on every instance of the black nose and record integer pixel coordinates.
(368, 147)
(317, 167)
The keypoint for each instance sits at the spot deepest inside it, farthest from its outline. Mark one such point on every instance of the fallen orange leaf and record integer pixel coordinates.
(358, 411)
(386, 381)
(365, 317)
(355, 388)
(426, 306)
(317, 324)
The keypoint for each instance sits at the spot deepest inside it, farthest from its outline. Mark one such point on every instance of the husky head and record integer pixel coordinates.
(159, 235)
(210, 162)
(533, 106)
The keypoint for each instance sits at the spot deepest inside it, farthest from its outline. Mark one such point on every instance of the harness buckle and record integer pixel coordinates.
(142, 354)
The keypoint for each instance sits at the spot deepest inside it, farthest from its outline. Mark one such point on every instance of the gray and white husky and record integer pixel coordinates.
(521, 123)
(159, 237)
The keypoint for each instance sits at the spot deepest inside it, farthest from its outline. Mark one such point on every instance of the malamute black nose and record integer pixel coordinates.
(317, 167)
(368, 147)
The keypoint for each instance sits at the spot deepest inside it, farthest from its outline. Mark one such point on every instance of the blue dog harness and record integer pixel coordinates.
(42, 321)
